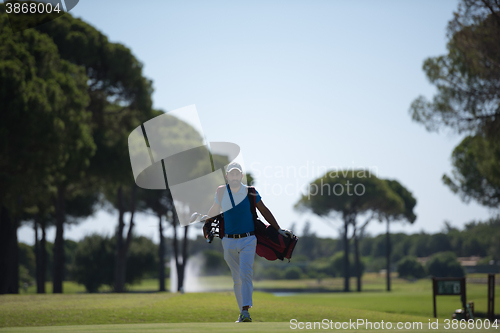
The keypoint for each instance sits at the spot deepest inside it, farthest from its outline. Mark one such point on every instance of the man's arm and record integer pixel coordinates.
(267, 215)
(214, 210)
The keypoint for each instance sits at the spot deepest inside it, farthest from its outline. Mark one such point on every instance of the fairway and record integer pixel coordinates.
(173, 327)
(217, 311)
(197, 327)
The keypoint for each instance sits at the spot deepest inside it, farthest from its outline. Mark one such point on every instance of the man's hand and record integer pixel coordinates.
(285, 232)
(207, 226)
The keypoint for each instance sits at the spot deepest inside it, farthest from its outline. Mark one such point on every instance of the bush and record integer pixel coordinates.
(293, 273)
(319, 266)
(27, 259)
(142, 259)
(273, 273)
(94, 262)
(311, 274)
(317, 276)
(337, 265)
(69, 255)
(25, 279)
(445, 264)
(376, 264)
(409, 268)
(214, 263)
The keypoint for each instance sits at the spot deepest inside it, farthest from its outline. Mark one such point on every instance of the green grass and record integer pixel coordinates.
(200, 327)
(212, 311)
(70, 287)
(176, 327)
(43, 310)
(414, 298)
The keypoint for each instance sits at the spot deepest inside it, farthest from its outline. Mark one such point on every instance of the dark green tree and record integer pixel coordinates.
(408, 267)
(44, 129)
(41, 221)
(42, 214)
(120, 100)
(444, 264)
(337, 267)
(214, 263)
(392, 215)
(293, 273)
(179, 136)
(350, 193)
(157, 203)
(467, 77)
(467, 80)
(142, 259)
(27, 259)
(476, 171)
(93, 262)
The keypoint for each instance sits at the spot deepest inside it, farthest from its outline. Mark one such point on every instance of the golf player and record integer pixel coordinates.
(239, 241)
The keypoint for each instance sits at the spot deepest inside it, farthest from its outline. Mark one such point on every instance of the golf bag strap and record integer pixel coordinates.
(220, 193)
(259, 226)
(252, 197)
(230, 195)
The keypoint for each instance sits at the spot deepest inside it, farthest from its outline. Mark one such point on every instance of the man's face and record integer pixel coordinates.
(234, 177)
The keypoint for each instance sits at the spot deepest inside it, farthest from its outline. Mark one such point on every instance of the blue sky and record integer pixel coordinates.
(298, 85)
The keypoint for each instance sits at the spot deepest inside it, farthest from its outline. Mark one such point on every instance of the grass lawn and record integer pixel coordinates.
(70, 287)
(216, 311)
(205, 327)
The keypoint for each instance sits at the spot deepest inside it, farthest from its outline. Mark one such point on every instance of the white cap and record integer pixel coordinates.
(234, 165)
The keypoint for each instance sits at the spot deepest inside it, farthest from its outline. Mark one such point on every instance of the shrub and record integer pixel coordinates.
(142, 259)
(94, 262)
(27, 259)
(214, 263)
(293, 273)
(409, 267)
(25, 279)
(272, 273)
(445, 264)
(337, 265)
(319, 266)
(321, 276)
(376, 264)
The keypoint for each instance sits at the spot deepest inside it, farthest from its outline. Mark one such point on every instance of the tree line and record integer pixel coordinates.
(69, 99)
(90, 261)
(475, 239)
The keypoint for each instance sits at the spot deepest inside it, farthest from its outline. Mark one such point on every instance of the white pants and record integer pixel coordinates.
(239, 254)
